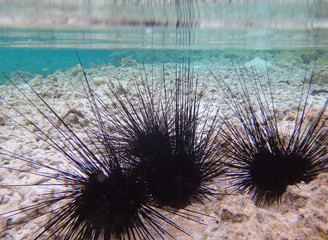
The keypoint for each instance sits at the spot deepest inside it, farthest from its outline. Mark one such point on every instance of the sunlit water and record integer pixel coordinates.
(44, 52)
(287, 36)
(42, 37)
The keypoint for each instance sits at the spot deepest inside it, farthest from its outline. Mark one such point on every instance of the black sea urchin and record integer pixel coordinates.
(172, 143)
(92, 197)
(263, 159)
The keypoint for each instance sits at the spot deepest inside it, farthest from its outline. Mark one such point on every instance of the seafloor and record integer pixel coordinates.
(302, 213)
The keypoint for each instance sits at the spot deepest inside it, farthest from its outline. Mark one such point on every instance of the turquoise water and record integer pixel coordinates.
(45, 51)
(292, 35)
(156, 32)
(46, 61)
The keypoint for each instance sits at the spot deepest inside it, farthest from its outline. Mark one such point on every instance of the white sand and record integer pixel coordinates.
(303, 213)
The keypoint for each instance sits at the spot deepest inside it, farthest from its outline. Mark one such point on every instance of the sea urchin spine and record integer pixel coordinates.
(161, 130)
(264, 160)
(95, 198)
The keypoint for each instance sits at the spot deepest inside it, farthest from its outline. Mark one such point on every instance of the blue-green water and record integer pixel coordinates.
(291, 36)
(157, 32)
(46, 61)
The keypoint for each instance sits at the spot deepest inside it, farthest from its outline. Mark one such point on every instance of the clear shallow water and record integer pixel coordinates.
(46, 61)
(290, 37)
(41, 37)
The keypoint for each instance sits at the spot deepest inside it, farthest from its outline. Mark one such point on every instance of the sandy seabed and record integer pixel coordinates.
(302, 214)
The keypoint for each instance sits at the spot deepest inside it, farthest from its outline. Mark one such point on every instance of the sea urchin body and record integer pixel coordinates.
(94, 197)
(163, 131)
(263, 159)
